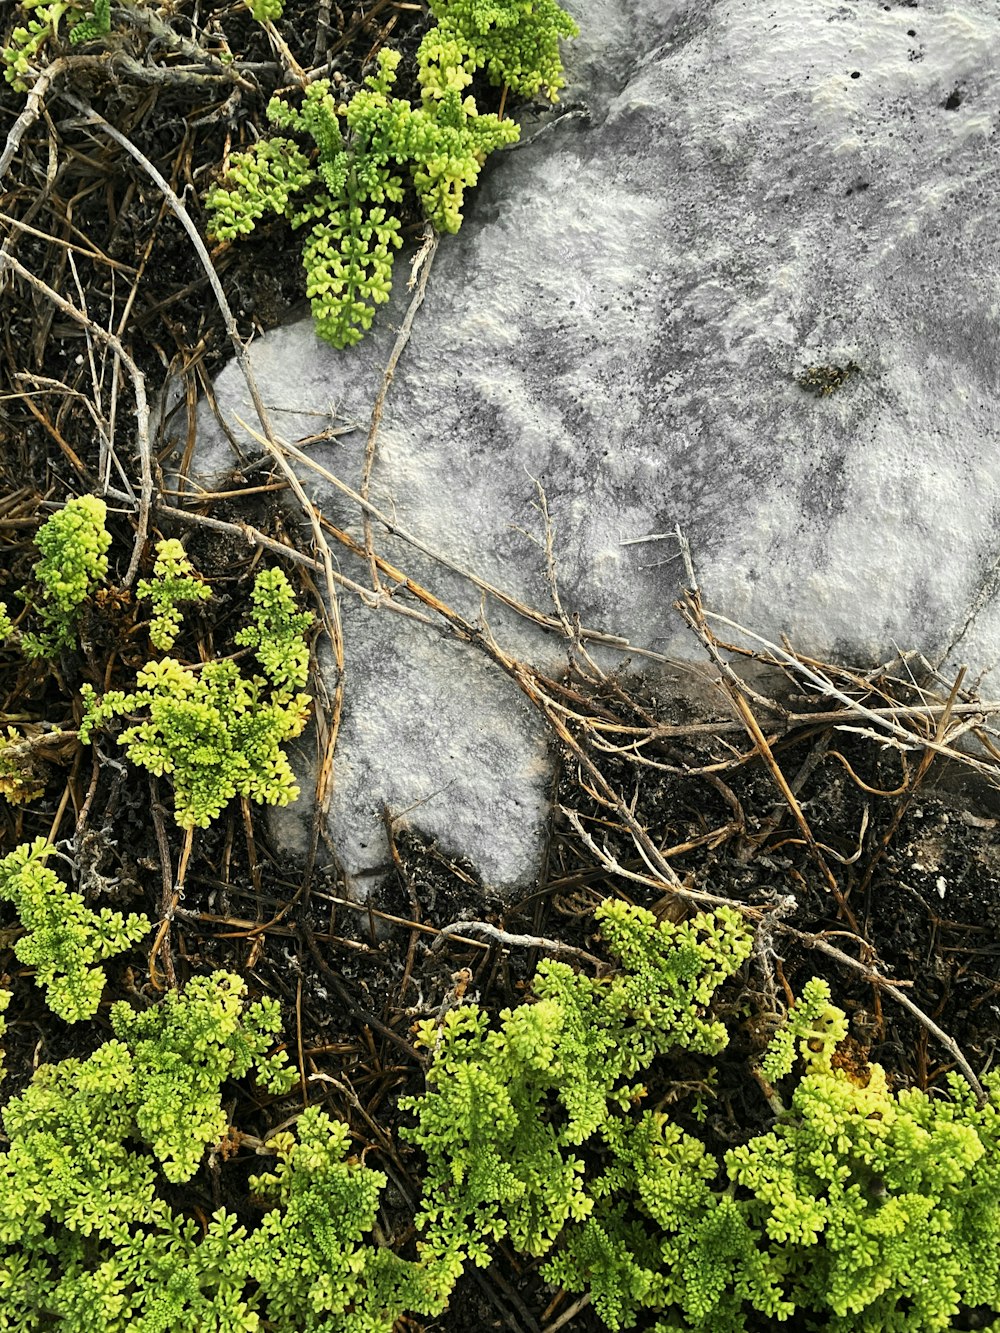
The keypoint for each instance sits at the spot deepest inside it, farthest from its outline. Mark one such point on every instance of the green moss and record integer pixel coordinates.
(42, 24)
(515, 41)
(89, 1238)
(861, 1210)
(824, 380)
(500, 1162)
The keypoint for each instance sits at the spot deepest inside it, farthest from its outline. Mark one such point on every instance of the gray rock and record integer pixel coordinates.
(733, 193)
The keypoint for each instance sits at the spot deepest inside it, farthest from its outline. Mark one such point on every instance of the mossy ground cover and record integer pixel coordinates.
(908, 837)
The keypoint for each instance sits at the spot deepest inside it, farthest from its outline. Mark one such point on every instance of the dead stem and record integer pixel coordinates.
(139, 389)
(516, 941)
(691, 609)
(421, 265)
(569, 1313)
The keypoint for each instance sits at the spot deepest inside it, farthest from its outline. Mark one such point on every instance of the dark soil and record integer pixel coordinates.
(913, 854)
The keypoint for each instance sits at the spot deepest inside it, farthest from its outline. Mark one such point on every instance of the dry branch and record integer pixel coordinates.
(138, 387)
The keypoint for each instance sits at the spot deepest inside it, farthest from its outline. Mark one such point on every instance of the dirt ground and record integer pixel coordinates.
(847, 822)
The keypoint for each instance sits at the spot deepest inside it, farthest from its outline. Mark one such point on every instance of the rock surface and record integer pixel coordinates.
(734, 192)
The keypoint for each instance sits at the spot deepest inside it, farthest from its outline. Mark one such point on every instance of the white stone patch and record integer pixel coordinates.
(622, 318)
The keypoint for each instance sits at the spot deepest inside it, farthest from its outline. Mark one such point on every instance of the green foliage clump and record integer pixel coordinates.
(173, 582)
(67, 1161)
(499, 1163)
(183, 1050)
(349, 248)
(276, 632)
(214, 731)
(74, 544)
(306, 1254)
(515, 41)
(662, 1238)
(862, 1208)
(28, 38)
(21, 779)
(450, 142)
(265, 11)
(88, 1239)
(65, 940)
(159, 1080)
(346, 189)
(260, 181)
(811, 1030)
(93, 25)
(880, 1209)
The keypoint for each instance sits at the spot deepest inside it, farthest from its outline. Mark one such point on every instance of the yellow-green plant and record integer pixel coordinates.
(810, 1031)
(182, 1051)
(863, 1210)
(515, 41)
(346, 195)
(508, 1109)
(65, 941)
(276, 632)
(215, 732)
(879, 1209)
(27, 39)
(347, 188)
(308, 1256)
(21, 778)
(265, 10)
(5, 998)
(90, 1240)
(174, 581)
(74, 544)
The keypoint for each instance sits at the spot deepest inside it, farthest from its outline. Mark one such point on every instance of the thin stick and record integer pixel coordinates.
(422, 265)
(32, 110)
(774, 768)
(7, 260)
(516, 941)
(281, 46)
(891, 989)
(536, 617)
(614, 867)
(882, 717)
(94, 253)
(829, 717)
(254, 537)
(183, 217)
(569, 1313)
